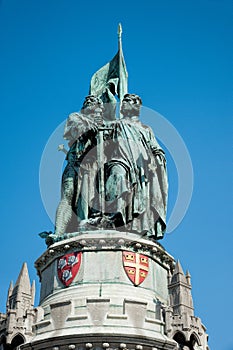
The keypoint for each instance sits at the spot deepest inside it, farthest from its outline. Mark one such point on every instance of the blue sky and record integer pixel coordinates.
(178, 55)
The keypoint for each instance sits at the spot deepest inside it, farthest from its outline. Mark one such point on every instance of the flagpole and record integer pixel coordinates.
(119, 32)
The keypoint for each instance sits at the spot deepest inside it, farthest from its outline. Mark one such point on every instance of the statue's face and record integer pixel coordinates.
(129, 107)
(90, 104)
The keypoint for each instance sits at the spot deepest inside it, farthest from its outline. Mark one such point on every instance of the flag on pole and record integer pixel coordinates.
(112, 76)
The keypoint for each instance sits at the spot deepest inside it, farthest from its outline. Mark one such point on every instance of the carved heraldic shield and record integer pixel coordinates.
(68, 266)
(136, 266)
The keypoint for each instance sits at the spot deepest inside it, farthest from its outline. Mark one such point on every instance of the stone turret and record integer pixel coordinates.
(16, 324)
(10, 290)
(181, 324)
(180, 292)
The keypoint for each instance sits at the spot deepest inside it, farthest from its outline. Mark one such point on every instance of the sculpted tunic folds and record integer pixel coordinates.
(136, 177)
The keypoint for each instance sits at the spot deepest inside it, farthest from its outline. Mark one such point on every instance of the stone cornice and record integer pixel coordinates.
(107, 240)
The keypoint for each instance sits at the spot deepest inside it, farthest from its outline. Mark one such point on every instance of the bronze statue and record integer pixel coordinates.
(116, 173)
(136, 179)
(77, 191)
(115, 177)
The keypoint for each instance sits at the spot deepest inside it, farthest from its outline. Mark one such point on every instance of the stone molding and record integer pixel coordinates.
(106, 240)
(100, 342)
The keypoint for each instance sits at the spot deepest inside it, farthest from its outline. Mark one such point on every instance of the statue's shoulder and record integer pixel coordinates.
(147, 129)
(75, 117)
(144, 126)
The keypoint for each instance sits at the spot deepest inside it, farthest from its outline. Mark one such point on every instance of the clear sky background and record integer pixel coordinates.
(179, 56)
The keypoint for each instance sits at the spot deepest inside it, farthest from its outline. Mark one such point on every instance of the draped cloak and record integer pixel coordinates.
(135, 148)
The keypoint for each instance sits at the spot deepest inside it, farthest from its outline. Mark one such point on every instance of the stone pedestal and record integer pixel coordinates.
(102, 307)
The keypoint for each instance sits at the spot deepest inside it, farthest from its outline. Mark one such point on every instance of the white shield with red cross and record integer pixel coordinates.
(68, 266)
(136, 266)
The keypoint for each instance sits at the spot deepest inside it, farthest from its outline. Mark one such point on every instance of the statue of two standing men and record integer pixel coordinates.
(115, 177)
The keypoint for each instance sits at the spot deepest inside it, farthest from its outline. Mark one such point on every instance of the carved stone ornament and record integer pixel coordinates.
(68, 266)
(136, 266)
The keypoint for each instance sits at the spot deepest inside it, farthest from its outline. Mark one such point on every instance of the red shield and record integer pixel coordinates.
(136, 266)
(68, 266)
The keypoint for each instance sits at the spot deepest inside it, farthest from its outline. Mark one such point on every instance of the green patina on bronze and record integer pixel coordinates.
(115, 177)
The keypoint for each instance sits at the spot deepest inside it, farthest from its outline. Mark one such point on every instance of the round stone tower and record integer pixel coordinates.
(103, 289)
